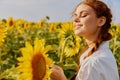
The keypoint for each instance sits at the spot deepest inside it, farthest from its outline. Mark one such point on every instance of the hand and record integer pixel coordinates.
(57, 73)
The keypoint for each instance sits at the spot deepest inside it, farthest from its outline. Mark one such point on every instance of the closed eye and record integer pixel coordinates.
(83, 15)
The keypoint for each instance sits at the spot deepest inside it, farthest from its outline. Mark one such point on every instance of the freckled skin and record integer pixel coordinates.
(85, 21)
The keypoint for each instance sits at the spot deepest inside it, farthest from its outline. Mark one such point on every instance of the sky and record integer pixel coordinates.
(57, 10)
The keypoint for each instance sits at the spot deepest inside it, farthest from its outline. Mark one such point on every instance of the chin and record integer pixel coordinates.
(78, 33)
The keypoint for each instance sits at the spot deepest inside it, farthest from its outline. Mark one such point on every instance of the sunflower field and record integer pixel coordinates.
(27, 49)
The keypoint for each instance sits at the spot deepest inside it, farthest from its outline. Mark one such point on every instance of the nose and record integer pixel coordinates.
(76, 19)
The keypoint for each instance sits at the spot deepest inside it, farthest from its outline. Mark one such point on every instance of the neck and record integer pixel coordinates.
(91, 39)
(90, 42)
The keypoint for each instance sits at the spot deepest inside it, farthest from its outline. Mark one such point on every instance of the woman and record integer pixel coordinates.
(92, 21)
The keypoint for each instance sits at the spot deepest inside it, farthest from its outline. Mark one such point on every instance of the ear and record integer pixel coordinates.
(101, 21)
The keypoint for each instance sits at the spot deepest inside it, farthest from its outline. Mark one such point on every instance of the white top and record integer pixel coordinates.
(101, 65)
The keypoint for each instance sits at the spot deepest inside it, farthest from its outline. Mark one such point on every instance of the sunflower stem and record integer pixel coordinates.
(62, 51)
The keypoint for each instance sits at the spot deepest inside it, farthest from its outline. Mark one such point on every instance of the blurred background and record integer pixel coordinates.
(57, 10)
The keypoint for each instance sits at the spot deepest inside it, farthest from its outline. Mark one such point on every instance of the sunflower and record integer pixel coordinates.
(42, 22)
(69, 42)
(66, 30)
(72, 46)
(3, 31)
(10, 23)
(33, 65)
(19, 23)
(52, 27)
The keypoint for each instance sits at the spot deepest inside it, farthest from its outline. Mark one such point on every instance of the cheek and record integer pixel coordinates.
(89, 22)
(90, 25)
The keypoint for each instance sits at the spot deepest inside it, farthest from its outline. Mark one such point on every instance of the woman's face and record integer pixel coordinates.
(85, 21)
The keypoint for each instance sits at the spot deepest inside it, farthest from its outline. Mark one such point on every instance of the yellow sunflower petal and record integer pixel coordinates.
(39, 45)
(33, 65)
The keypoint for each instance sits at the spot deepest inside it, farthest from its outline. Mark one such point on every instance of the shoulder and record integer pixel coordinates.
(98, 69)
(100, 64)
(101, 61)
(102, 58)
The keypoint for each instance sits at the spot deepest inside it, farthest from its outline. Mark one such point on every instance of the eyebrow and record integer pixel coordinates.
(82, 12)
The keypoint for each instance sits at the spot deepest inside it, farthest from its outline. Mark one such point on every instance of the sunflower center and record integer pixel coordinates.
(39, 67)
(11, 23)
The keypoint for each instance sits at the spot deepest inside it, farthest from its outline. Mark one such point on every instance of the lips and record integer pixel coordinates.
(77, 25)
